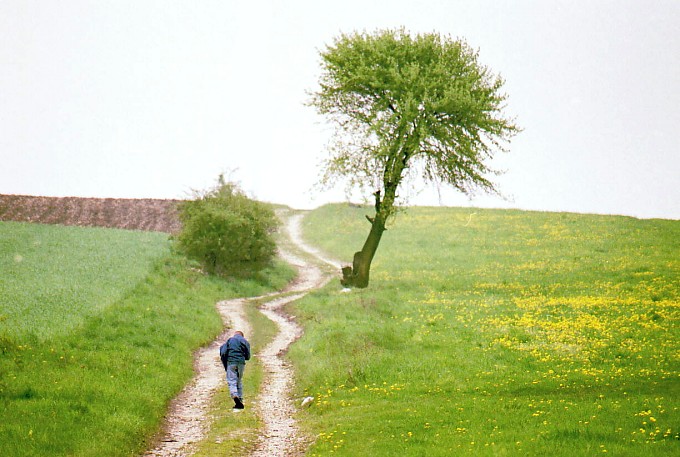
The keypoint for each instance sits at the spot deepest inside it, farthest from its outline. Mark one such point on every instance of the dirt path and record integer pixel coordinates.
(186, 422)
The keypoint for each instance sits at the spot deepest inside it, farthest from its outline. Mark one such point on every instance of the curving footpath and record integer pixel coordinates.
(186, 422)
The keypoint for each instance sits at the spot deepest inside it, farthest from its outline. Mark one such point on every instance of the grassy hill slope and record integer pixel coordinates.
(495, 332)
(49, 274)
(97, 331)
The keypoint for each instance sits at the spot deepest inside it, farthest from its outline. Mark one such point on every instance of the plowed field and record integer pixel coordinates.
(131, 214)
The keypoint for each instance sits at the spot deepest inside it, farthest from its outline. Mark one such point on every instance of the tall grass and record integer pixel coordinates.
(495, 333)
(101, 387)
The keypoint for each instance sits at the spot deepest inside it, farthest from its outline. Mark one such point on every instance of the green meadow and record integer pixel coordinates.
(97, 331)
(483, 332)
(494, 332)
(44, 270)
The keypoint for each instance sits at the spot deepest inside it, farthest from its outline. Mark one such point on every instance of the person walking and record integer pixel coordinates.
(234, 354)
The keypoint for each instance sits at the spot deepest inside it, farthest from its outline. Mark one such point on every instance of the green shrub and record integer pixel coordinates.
(229, 233)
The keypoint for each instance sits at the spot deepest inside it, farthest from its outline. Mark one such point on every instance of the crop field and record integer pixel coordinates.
(493, 332)
(56, 262)
(97, 331)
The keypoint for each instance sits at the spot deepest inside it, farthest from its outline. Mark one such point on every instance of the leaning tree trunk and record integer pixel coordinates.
(357, 275)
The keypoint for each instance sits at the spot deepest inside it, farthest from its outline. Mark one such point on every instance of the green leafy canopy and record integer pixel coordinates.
(228, 232)
(408, 104)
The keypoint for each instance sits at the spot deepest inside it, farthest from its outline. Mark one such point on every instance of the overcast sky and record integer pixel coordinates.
(154, 98)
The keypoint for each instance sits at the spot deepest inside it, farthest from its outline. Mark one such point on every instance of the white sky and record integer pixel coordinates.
(153, 98)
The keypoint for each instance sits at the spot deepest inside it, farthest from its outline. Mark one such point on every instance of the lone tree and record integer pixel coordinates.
(403, 106)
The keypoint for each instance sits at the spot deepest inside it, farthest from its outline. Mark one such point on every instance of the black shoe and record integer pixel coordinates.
(238, 404)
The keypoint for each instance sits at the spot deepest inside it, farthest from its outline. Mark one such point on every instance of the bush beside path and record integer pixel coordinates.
(189, 421)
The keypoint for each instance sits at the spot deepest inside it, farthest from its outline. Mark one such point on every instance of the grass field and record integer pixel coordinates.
(97, 335)
(44, 269)
(490, 332)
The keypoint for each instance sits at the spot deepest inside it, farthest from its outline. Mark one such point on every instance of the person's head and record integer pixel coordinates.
(238, 332)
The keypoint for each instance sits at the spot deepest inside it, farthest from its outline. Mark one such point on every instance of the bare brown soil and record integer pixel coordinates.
(132, 214)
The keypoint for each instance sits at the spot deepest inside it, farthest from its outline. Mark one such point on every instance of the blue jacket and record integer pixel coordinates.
(235, 351)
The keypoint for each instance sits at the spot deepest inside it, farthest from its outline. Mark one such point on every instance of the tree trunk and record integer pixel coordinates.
(357, 275)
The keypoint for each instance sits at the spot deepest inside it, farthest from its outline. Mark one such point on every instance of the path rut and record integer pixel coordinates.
(187, 422)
